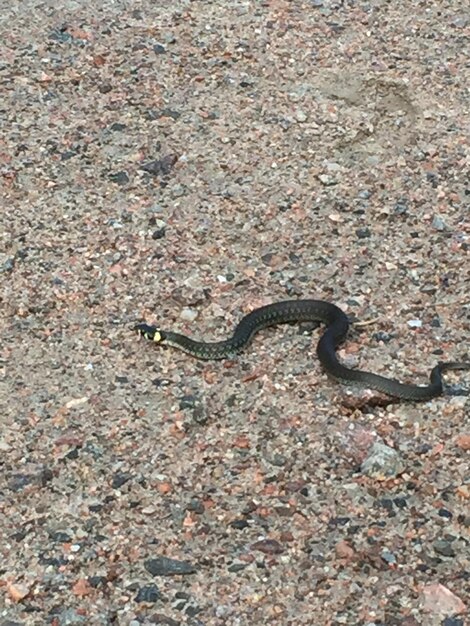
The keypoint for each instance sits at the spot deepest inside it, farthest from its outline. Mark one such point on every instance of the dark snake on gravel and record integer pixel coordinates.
(337, 325)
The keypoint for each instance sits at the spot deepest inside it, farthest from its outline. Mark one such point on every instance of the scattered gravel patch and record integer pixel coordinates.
(182, 164)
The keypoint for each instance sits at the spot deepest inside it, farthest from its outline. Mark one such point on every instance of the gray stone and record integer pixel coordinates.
(382, 462)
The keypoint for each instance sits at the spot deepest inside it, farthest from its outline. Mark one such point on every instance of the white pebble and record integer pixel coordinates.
(188, 315)
(415, 323)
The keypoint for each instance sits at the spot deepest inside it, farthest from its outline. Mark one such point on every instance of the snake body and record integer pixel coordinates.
(337, 325)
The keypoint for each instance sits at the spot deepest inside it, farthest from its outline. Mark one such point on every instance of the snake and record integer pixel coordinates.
(337, 325)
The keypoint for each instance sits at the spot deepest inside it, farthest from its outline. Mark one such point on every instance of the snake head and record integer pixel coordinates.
(152, 333)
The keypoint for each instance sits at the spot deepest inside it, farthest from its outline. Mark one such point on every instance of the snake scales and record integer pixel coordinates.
(302, 311)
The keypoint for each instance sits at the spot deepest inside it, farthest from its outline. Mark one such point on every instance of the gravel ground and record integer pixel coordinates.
(184, 163)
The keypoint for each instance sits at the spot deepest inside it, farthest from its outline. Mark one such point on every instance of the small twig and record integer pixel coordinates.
(362, 323)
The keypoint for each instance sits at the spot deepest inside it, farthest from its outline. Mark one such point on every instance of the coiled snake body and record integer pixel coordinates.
(303, 311)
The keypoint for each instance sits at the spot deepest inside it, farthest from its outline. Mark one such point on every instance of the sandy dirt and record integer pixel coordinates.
(182, 164)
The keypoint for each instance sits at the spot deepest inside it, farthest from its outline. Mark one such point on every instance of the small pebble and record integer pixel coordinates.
(149, 593)
(363, 233)
(189, 315)
(17, 591)
(388, 557)
(444, 548)
(268, 546)
(453, 621)
(120, 178)
(382, 462)
(164, 566)
(438, 223)
(70, 617)
(327, 180)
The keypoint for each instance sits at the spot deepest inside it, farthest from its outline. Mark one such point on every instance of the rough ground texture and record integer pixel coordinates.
(183, 163)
